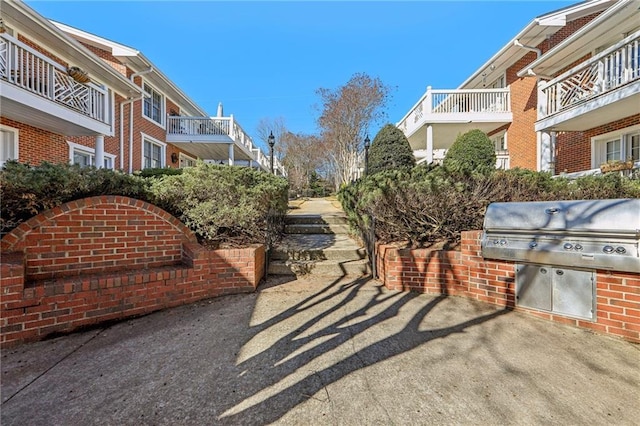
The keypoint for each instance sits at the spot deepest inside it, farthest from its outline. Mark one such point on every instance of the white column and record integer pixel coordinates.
(231, 157)
(429, 143)
(251, 164)
(546, 150)
(99, 151)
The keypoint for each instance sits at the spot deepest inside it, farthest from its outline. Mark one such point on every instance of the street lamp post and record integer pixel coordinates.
(272, 141)
(367, 142)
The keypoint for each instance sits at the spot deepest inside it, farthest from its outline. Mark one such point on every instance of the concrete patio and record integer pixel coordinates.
(333, 351)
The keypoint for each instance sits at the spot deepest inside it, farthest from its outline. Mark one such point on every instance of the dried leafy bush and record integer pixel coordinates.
(430, 205)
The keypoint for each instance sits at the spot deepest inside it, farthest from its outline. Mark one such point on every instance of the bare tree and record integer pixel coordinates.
(346, 115)
(302, 157)
(278, 127)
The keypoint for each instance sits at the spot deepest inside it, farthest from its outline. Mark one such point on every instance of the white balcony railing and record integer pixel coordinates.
(605, 72)
(23, 66)
(502, 160)
(457, 105)
(219, 126)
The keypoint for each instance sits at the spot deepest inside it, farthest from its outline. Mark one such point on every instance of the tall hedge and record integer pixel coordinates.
(472, 152)
(390, 150)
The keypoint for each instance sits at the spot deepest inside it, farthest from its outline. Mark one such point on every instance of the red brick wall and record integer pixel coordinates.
(521, 138)
(37, 145)
(467, 273)
(573, 149)
(127, 258)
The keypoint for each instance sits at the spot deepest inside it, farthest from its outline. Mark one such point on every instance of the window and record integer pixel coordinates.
(499, 83)
(85, 156)
(8, 144)
(500, 141)
(153, 107)
(615, 146)
(186, 161)
(613, 150)
(153, 153)
(634, 148)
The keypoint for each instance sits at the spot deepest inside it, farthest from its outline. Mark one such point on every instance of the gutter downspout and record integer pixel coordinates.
(134, 75)
(516, 42)
(550, 135)
(122, 104)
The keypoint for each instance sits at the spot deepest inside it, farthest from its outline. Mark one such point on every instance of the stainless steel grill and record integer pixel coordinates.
(587, 234)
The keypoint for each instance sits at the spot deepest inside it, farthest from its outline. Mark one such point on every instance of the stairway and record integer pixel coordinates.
(318, 244)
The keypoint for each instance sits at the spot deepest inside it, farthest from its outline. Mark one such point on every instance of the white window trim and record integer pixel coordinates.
(498, 135)
(163, 103)
(88, 150)
(598, 144)
(163, 148)
(16, 140)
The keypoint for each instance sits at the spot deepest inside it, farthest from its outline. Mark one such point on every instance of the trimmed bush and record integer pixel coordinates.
(222, 204)
(158, 172)
(27, 191)
(390, 150)
(472, 152)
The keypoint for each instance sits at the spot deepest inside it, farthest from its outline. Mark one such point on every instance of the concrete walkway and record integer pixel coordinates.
(325, 352)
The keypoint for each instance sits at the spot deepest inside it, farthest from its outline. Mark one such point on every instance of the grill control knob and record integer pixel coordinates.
(503, 242)
(496, 242)
(578, 247)
(533, 244)
(608, 249)
(621, 250)
(567, 246)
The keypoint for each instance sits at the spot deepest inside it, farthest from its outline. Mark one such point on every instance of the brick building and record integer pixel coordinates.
(562, 96)
(120, 111)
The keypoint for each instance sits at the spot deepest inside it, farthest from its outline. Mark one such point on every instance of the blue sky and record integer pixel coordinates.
(267, 59)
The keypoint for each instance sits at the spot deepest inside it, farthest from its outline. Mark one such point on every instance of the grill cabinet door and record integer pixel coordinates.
(533, 286)
(573, 292)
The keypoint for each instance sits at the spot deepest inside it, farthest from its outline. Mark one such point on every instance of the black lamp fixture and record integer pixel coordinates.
(174, 157)
(367, 144)
(271, 140)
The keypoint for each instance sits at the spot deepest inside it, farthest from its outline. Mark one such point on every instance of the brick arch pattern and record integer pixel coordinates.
(97, 235)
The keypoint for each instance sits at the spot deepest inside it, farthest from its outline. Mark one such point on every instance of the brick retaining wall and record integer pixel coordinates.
(107, 258)
(467, 273)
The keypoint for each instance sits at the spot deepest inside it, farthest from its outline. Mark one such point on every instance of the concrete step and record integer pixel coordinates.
(325, 268)
(316, 229)
(337, 254)
(311, 219)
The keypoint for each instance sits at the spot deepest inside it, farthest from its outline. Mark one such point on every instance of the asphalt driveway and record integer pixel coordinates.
(314, 352)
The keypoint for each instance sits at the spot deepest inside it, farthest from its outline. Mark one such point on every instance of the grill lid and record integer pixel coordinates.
(617, 216)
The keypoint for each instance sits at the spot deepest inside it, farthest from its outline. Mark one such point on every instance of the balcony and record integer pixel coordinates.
(36, 90)
(210, 138)
(442, 114)
(600, 90)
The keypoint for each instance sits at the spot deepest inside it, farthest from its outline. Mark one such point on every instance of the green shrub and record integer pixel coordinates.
(472, 152)
(158, 172)
(221, 204)
(389, 150)
(27, 191)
